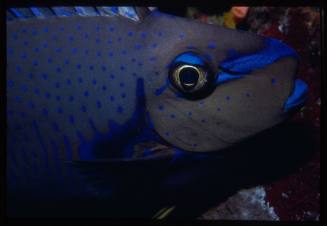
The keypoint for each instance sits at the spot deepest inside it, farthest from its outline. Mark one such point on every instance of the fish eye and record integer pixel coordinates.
(191, 76)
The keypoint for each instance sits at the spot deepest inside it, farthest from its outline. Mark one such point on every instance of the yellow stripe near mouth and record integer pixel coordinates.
(164, 212)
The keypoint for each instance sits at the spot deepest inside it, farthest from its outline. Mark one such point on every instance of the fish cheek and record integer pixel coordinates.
(254, 103)
(181, 123)
(281, 77)
(233, 112)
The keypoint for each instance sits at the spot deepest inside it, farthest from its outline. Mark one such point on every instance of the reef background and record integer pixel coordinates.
(297, 195)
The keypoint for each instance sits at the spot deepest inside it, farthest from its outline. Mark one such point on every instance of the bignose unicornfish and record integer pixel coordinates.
(89, 83)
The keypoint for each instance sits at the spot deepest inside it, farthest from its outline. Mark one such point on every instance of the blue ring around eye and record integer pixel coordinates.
(189, 58)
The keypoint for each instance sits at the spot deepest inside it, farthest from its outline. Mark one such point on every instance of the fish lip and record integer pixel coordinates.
(298, 96)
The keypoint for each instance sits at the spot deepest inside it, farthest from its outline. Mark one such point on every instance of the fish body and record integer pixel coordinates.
(76, 85)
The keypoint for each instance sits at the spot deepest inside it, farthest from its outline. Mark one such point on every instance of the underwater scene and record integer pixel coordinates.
(163, 113)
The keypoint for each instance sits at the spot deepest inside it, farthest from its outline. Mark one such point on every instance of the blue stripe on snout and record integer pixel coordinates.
(273, 51)
(224, 77)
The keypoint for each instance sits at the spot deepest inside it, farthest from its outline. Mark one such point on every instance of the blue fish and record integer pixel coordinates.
(88, 84)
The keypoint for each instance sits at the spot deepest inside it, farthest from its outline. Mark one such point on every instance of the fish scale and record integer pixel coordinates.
(48, 107)
(52, 91)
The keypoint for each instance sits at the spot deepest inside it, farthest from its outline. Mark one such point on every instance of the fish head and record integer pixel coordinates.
(212, 87)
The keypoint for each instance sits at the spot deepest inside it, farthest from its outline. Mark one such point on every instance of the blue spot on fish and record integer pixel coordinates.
(212, 46)
(71, 119)
(83, 108)
(120, 109)
(71, 98)
(45, 111)
(99, 105)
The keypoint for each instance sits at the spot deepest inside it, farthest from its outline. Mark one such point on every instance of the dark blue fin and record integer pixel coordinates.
(42, 12)
(133, 13)
(87, 11)
(22, 13)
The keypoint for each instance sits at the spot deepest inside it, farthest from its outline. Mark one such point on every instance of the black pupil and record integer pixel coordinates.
(189, 78)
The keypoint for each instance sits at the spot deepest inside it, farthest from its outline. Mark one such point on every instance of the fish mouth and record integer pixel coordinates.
(298, 96)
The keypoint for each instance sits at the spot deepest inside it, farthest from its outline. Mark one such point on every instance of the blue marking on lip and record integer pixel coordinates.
(189, 58)
(298, 96)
